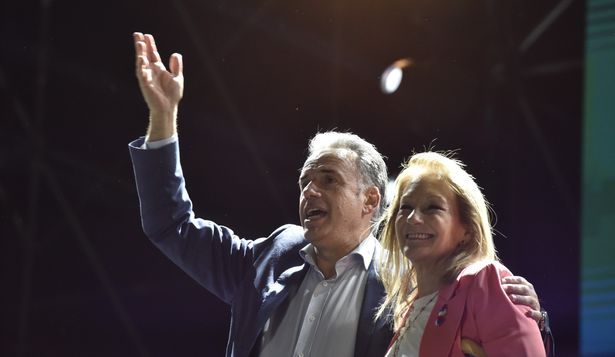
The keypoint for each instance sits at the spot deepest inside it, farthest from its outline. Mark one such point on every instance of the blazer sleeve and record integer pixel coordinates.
(211, 254)
(503, 327)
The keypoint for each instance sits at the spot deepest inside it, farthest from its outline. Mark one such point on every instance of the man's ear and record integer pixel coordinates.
(372, 199)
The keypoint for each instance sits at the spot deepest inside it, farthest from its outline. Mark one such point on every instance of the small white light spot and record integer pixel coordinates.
(391, 79)
(392, 76)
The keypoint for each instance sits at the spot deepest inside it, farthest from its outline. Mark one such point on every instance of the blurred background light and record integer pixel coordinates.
(392, 75)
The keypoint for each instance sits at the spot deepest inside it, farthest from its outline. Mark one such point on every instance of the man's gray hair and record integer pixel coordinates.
(369, 161)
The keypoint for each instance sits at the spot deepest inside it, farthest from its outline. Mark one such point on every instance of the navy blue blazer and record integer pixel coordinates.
(253, 276)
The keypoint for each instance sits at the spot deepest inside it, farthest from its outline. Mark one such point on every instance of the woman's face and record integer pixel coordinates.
(428, 226)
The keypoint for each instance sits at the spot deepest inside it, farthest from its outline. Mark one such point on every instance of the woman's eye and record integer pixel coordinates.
(405, 208)
(435, 207)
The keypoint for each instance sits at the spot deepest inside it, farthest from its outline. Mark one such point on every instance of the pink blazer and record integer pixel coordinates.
(475, 306)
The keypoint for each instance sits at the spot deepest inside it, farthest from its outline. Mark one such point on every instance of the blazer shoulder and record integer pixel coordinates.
(484, 269)
(501, 326)
(288, 237)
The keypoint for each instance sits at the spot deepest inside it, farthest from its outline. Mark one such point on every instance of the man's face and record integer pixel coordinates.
(331, 201)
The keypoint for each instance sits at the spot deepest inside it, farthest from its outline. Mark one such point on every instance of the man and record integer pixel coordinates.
(304, 290)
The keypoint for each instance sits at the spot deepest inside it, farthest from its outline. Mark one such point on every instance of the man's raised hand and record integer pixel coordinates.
(161, 89)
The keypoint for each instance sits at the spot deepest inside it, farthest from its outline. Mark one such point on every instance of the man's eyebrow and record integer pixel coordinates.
(325, 170)
(319, 169)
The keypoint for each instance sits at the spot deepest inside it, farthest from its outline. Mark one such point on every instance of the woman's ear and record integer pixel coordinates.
(466, 238)
(468, 235)
(372, 200)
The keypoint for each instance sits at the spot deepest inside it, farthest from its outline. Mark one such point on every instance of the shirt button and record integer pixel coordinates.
(300, 354)
(312, 318)
(324, 283)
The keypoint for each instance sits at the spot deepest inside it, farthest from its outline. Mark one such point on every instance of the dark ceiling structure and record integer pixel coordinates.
(500, 82)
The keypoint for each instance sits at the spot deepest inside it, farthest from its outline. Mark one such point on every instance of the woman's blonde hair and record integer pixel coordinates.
(396, 271)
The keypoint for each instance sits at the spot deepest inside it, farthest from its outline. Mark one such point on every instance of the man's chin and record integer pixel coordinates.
(311, 234)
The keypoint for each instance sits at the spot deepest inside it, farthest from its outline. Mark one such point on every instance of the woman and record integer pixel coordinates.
(441, 272)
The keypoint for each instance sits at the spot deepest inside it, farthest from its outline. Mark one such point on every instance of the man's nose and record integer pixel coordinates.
(311, 190)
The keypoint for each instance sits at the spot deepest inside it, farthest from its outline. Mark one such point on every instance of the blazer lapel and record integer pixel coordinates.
(278, 291)
(444, 321)
(372, 335)
(446, 317)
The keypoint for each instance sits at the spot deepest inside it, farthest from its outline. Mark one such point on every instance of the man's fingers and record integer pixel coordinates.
(525, 300)
(515, 280)
(518, 285)
(519, 289)
(176, 64)
(139, 46)
(140, 50)
(137, 36)
(536, 315)
(152, 51)
(523, 295)
(142, 64)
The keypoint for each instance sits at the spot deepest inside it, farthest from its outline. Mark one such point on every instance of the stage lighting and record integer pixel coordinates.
(392, 76)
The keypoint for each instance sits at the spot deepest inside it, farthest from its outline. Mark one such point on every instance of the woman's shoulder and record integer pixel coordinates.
(485, 268)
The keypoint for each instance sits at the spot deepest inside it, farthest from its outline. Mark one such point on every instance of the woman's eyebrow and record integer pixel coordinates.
(437, 197)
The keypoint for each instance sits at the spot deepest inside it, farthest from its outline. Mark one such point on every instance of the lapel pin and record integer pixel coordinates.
(440, 320)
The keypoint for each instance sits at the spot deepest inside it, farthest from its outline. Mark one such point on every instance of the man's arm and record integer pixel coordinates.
(211, 254)
(521, 292)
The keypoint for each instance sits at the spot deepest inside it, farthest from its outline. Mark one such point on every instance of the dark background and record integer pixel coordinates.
(79, 278)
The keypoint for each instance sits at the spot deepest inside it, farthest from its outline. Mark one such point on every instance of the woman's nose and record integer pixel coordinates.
(415, 217)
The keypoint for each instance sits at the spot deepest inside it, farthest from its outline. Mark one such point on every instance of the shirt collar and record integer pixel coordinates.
(364, 251)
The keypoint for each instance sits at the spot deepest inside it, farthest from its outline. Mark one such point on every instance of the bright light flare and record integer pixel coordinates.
(392, 76)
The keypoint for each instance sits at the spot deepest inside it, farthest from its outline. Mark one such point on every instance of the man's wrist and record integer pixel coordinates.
(162, 125)
(543, 324)
(157, 144)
